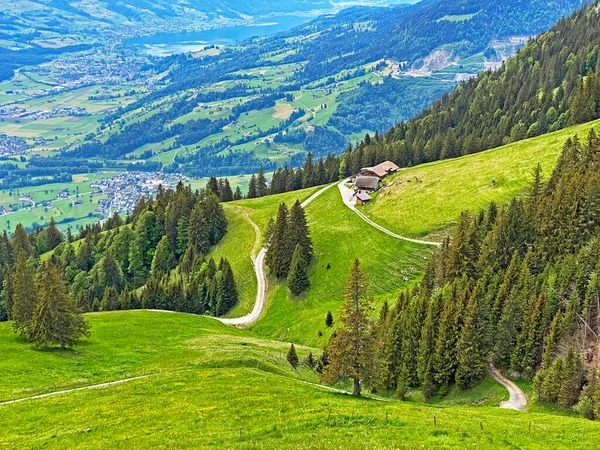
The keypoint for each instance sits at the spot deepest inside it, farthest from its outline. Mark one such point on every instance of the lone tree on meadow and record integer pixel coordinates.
(352, 349)
(56, 318)
(328, 319)
(292, 357)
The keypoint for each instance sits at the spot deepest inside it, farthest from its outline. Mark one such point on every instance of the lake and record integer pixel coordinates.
(170, 43)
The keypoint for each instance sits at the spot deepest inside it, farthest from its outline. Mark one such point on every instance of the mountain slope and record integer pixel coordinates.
(550, 83)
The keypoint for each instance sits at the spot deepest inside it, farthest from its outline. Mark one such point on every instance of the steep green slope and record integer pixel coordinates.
(428, 199)
(339, 237)
(218, 387)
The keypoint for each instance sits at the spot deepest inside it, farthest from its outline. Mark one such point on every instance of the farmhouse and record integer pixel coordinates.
(380, 170)
(366, 184)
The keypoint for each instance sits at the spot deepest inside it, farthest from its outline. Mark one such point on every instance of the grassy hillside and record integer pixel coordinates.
(446, 188)
(339, 236)
(135, 343)
(220, 387)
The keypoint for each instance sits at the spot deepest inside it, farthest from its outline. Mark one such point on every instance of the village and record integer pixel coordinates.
(123, 191)
(12, 145)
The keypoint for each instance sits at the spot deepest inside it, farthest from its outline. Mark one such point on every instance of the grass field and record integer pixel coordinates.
(444, 189)
(218, 387)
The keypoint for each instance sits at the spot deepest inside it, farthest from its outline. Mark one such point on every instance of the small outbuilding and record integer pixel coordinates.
(362, 198)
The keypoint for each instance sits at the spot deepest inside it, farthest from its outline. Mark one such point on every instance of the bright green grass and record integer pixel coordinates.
(237, 246)
(472, 182)
(339, 236)
(247, 408)
(126, 344)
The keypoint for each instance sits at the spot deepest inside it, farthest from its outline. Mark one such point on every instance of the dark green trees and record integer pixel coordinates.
(298, 277)
(55, 319)
(290, 249)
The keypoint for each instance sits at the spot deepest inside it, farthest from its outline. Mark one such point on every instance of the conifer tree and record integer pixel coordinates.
(237, 195)
(298, 277)
(292, 357)
(351, 350)
(261, 183)
(297, 232)
(161, 263)
(278, 256)
(23, 293)
(252, 190)
(56, 319)
(182, 236)
(136, 269)
(444, 357)
(427, 346)
(329, 319)
(20, 241)
(471, 347)
(198, 231)
(53, 235)
(110, 300)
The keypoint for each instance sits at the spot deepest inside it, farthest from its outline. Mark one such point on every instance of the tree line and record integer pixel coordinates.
(161, 248)
(516, 285)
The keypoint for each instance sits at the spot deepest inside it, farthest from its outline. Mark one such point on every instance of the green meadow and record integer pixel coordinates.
(210, 386)
(427, 200)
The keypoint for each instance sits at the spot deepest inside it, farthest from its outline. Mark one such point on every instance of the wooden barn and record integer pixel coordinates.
(380, 170)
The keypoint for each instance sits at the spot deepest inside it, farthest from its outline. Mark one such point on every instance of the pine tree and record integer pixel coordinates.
(298, 277)
(136, 269)
(110, 300)
(329, 319)
(182, 236)
(279, 255)
(161, 263)
(237, 195)
(351, 350)
(261, 183)
(53, 236)
(252, 190)
(23, 293)
(570, 380)
(198, 231)
(427, 346)
(292, 357)
(298, 233)
(310, 361)
(56, 319)
(471, 348)
(20, 241)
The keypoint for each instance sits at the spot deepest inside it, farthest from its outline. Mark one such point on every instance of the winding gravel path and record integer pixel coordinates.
(517, 399)
(258, 263)
(348, 199)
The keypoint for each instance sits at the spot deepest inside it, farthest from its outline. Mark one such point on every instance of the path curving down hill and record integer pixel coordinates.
(261, 291)
(517, 399)
(348, 199)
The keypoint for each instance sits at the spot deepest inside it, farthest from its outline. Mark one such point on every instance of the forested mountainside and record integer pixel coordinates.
(460, 28)
(518, 284)
(550, 83)
(332, 76)
(105, 266)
